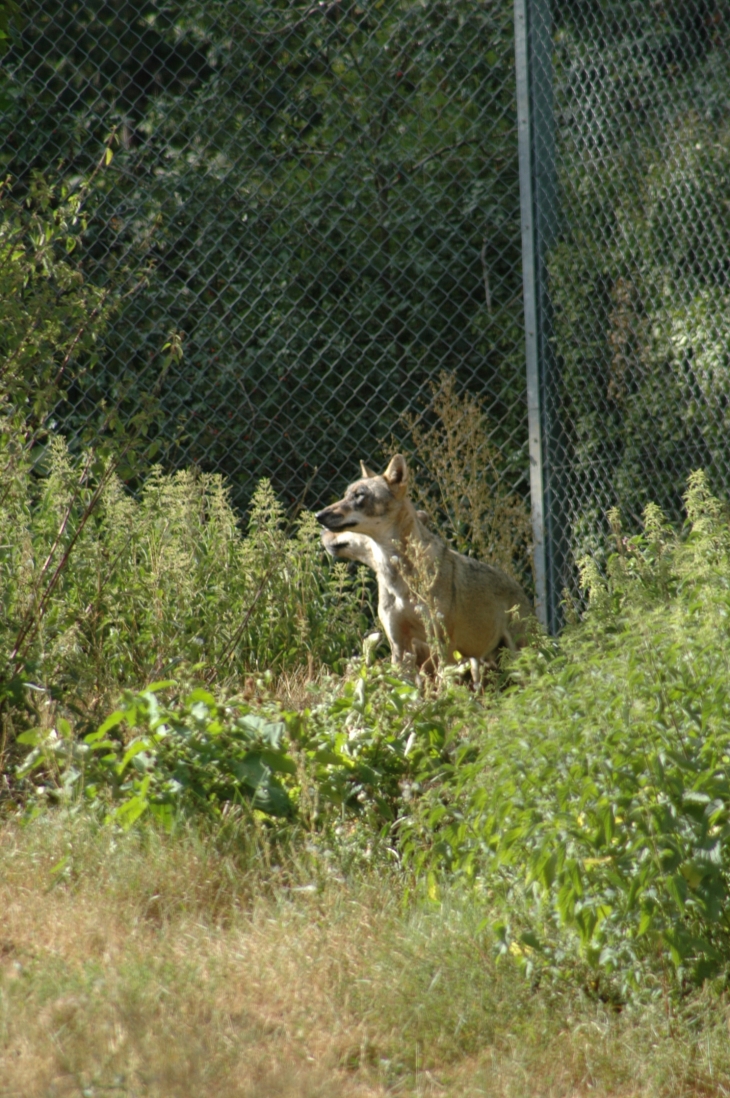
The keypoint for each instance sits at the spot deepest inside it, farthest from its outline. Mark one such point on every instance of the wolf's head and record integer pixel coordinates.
(369, 506)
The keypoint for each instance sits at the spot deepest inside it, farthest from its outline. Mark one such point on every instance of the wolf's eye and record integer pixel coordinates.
(358, 497)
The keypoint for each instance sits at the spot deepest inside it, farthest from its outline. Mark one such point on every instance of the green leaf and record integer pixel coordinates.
(111, 722)
(134, 748)
(200, 695)
(31, 738)
(130, 811)
(279, 762)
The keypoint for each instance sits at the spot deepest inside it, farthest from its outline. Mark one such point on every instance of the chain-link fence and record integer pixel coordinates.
(323, 199)
(625, 115)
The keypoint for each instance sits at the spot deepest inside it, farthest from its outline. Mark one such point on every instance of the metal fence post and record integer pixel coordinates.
(538, 199)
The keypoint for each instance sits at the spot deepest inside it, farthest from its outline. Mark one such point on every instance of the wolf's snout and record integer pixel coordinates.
(333, 519)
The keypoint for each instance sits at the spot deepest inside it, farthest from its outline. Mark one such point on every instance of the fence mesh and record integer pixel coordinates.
(634, 238)
(322, 199)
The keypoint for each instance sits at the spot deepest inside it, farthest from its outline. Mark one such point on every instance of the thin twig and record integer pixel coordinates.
(440, 152)
(278, 33)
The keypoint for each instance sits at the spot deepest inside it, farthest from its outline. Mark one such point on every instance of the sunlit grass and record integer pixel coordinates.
(184, 966)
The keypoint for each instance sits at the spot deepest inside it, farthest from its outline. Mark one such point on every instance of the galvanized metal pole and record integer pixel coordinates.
(533, 62)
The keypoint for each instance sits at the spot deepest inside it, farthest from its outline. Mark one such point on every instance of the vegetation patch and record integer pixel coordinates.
(163, 581)
(585, 797)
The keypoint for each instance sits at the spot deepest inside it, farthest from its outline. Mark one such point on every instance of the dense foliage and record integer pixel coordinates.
(199, 755)
(603, 783)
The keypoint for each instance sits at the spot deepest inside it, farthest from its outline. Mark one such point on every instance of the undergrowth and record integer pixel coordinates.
(598, 800)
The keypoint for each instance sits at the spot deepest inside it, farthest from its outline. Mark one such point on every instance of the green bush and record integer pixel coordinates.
(602, 786)
(50, 317)
(52, 323)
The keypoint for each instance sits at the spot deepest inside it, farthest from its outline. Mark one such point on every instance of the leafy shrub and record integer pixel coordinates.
(49, 315)
(53, 320)
(603, 785)
(360, 750)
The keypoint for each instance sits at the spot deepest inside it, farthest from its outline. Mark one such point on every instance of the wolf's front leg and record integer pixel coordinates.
(406, 662)
(403, 648)
(397, 649)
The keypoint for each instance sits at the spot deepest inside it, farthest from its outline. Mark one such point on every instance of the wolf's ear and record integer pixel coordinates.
(367, 473)
(397, 475)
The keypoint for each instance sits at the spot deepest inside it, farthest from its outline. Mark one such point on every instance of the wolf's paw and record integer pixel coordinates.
(335, 544)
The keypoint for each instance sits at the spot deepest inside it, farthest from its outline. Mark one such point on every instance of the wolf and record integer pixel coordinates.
(478, 607)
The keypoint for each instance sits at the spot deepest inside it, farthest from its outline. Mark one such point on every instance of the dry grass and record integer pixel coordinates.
(467, 480)
(152, 966)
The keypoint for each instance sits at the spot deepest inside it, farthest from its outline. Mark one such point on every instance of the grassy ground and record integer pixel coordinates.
(142, 965)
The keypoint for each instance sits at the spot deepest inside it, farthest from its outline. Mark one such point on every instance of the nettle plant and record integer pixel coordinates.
(159, 582)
